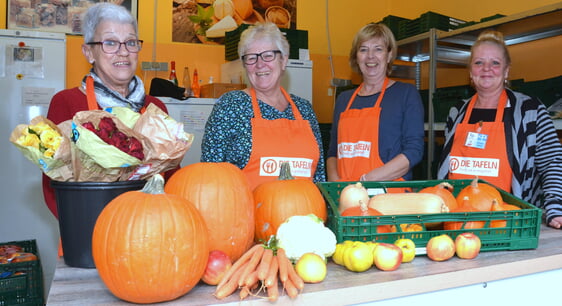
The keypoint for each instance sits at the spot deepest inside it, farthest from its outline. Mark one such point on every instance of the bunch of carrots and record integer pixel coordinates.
(261, 269)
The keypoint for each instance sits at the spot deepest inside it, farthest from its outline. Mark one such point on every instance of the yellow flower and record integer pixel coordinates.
(49, 153)
(50, 139)
(40, 127)
(29, 140)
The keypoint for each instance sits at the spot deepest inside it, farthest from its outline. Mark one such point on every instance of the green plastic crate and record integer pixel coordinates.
(26, 288)
(522, 230)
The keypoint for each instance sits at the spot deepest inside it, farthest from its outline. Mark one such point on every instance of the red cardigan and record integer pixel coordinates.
(63, 106)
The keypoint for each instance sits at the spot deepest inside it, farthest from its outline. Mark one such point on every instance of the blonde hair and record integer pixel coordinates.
(494, 37)
(369, 31)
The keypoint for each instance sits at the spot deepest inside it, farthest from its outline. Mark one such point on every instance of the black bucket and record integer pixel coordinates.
(79, 205)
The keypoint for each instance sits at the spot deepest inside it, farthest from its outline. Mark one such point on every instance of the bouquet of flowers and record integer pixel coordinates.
(109, 145)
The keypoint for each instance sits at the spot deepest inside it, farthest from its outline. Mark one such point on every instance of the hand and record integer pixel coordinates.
(556, 222)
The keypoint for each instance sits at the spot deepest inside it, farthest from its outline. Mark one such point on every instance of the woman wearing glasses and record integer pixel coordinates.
(377, 131)
(259, 127)
(111, 45)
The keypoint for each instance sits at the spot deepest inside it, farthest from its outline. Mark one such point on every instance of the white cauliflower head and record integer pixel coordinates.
(305, 234)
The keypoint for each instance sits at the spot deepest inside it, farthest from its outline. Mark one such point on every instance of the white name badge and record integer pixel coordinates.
(354, 149)
(270, 166)
(476, 140)
(474, 166)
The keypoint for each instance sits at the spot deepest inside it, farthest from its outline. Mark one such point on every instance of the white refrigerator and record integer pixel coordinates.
(32, 70)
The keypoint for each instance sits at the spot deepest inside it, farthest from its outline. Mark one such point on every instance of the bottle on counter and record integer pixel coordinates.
(195, 87)
(173, 78)
(187, 82)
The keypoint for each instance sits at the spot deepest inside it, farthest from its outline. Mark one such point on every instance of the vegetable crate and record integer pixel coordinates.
(21, 283)
(521, 231)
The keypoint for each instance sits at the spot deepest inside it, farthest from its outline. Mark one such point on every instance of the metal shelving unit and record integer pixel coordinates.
(453, 47)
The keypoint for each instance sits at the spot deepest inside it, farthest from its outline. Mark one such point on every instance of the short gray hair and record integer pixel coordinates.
(105, 11)
(263, 30)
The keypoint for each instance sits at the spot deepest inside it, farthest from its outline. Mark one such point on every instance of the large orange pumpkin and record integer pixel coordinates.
(222, 194)
(275, 201)
(480, 195)
(148, 246)
(363, 210)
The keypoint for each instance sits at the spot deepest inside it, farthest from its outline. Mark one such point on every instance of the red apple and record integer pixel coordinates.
(440, 248)
(467, 245)
(217, 265)
(387, 256)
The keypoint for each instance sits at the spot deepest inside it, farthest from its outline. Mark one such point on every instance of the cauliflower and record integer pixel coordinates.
(305, 234)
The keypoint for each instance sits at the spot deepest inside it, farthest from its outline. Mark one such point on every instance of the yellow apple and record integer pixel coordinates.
(358, 257)
(467, 245)
(440, 248)
(311, 268)
(408, 249)
(387, 256)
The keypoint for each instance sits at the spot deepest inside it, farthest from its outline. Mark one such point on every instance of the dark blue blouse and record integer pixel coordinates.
(401, 125)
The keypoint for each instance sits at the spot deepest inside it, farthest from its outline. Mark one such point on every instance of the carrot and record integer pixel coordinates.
(231, 285)
(273, 289)
(294, 277)
(252, 264)
(244, 292)
(291, 289)
(283, 262)
(272, 273)
(264, 264)
(241, 261)
(251, 279)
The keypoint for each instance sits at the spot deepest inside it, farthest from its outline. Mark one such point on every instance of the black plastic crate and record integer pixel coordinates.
(24, 285)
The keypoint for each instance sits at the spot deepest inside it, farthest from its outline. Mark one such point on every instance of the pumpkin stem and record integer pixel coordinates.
(155, 185)
(474, 182)
(285, 172)
(446, 185)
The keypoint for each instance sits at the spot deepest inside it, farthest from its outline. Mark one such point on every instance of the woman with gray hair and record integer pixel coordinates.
(111, 45)
(259, 127)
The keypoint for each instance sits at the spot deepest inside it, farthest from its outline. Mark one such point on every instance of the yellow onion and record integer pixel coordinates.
(353, 195)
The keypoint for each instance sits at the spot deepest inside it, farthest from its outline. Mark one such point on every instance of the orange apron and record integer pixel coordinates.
(276, 141)
(358, 140)
(91, 96)
(479, 149)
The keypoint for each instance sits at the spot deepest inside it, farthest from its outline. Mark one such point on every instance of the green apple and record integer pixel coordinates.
(408, 249)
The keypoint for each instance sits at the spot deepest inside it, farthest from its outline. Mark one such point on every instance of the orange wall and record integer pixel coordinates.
(344, 19)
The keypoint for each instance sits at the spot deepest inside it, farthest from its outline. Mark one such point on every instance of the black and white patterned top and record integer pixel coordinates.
(533, 147)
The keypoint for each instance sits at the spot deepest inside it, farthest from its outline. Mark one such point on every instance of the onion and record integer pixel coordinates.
(353, 195)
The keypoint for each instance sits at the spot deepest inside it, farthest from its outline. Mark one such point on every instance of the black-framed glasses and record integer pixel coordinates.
(266, 56)
(113, 46)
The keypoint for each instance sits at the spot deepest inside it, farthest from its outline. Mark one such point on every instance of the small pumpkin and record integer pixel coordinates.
(275, 201)
(445, 191)
(148, 246)
(352, 195)
(222, 194)
(496, 206)
(480, 195)
(363, 210)
(457, 225)
(408, 227)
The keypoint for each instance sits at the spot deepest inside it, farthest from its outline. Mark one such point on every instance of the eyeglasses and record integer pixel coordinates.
(113, 46)
(266, 56)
